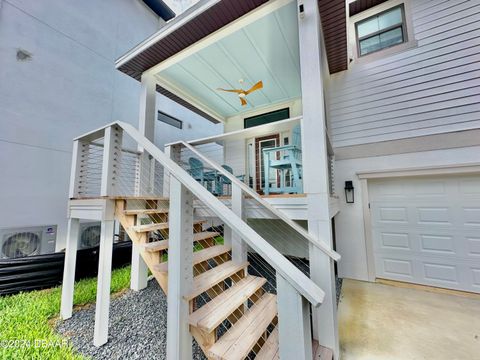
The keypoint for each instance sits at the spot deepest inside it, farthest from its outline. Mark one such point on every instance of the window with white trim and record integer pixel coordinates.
(381, 31)
(170, 120)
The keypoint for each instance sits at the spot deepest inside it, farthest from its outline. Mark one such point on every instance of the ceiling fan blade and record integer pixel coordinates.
(237, 91)
(243, 101)
(257, 86)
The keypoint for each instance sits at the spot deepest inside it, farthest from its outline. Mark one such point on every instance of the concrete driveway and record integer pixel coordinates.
(386, 322)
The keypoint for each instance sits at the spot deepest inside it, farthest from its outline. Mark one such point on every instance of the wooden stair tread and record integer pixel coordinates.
(212, 277)
(321, 352)
(269, 350)
(145, 211)
(159, 226)
(163, 244)
(198, 256)
(146, 197)
(239, 340)
(212, 314)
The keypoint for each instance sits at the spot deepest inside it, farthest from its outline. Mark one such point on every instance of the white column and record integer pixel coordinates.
(100, 335)
(315, 171)
(148, 104)
(295, 340)
(180, 271)
(145, 177)
(68, 283)
(78, 153)
(239, 247)
(139, 269)
(112, 152)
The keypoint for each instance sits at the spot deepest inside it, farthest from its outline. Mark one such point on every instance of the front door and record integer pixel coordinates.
(263, 143)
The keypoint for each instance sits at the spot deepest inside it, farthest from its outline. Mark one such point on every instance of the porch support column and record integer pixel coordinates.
(100, 335)
(315, 171)
(148, 106)
(68, 282)
(145, 178)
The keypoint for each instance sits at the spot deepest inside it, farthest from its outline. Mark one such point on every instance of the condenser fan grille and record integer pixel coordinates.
(20, 245)
(91, 236)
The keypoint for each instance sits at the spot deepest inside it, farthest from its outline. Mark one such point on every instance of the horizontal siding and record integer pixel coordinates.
(431, 88)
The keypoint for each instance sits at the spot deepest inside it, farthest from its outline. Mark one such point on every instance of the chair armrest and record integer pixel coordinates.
(279, 148)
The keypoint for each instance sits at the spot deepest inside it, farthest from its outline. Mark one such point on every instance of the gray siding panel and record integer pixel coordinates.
(429, 89)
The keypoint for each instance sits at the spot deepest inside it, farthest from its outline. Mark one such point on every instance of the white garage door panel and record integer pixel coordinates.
(427, 230)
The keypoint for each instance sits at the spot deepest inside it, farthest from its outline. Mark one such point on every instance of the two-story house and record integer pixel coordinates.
(351, 130)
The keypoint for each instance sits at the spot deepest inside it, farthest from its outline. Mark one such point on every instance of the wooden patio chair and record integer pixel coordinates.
(286, 161)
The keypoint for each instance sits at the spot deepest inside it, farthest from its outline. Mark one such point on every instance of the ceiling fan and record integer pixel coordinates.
(242, 94)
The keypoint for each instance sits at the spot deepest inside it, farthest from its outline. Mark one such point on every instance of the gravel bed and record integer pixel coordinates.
(138, 327)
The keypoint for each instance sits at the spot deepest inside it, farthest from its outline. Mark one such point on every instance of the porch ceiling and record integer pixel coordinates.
(266, 50)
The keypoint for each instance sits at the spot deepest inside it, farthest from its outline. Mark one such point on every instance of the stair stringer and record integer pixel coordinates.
(151, 259)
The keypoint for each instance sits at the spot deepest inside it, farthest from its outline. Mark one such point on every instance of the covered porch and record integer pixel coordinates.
(247, 76)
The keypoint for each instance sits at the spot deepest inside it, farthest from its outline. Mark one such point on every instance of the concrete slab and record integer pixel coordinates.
(386, 322)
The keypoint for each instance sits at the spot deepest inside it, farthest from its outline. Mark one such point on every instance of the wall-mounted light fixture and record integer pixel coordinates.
(301, 10)
(349, 192)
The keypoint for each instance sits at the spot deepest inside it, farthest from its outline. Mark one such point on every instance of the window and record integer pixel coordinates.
(170, 120)
(381, 31)
(262, 119)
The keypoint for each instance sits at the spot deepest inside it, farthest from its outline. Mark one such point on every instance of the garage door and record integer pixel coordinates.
(427, 230)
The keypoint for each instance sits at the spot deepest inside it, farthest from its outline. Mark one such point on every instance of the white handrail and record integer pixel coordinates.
(323, 247)
(304, 285)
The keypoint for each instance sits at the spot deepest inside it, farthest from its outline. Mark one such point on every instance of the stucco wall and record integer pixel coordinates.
(67, 87)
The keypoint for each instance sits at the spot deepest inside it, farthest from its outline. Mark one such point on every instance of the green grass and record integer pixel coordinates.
(28, 317)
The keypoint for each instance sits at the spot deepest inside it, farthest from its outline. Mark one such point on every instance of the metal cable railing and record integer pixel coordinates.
(144, 178)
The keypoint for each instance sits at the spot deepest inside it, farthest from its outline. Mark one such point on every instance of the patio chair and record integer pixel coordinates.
(223, 180)
(286, 161)
(197, 171)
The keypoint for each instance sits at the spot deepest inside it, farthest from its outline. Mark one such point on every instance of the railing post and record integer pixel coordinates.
(180, 271)
(79, 156)
(112, 152)
(68, 282)
(174, 153)
(295, 339)
(239, 247)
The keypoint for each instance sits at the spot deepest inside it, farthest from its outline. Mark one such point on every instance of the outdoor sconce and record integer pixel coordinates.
(349, 192)
(301, 10)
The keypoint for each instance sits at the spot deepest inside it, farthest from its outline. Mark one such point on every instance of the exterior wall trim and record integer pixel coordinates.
(422, 171)
(410, 145)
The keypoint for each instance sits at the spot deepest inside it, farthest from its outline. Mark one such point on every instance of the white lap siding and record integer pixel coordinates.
(431, 88)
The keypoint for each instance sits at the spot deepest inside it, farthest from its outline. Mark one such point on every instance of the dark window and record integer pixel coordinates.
(170, 120)
(381, 31)
(267, 118)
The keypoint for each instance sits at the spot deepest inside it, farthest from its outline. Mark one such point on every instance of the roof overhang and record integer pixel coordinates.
(201, 24)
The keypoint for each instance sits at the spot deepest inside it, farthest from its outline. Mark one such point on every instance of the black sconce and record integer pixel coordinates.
(349, 192)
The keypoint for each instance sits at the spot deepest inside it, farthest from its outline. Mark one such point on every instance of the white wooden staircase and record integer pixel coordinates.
(212, 267)
(210, 291)
(244, 305)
